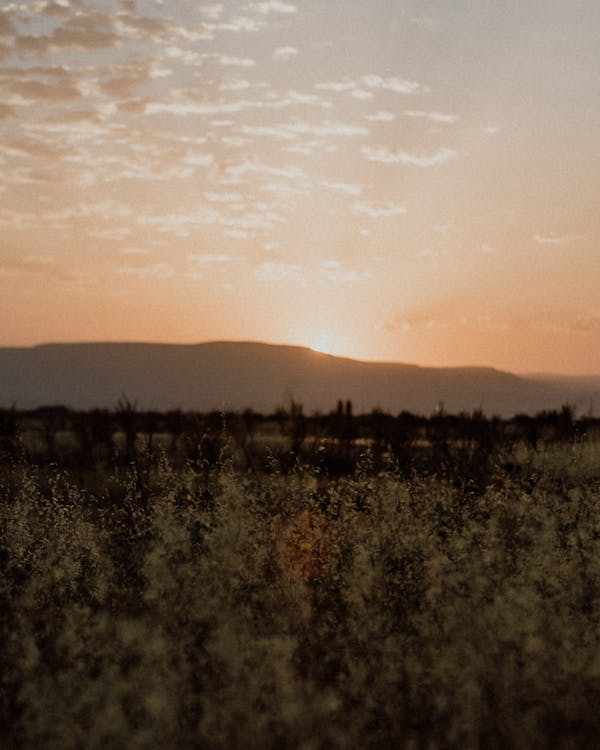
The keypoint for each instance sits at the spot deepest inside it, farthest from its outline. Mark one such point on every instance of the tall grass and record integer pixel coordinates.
(219, 610)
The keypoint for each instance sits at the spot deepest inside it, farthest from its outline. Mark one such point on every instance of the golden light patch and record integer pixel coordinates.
(306, 546)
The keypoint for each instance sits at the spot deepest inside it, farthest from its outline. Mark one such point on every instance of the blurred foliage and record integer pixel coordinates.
(437, 587)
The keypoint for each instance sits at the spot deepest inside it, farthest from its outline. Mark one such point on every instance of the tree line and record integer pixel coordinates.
(334, 440)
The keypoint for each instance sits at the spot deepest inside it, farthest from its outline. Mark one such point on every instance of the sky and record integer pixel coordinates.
(401, 180)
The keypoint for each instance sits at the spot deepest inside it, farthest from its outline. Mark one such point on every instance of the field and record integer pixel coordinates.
(197, 601)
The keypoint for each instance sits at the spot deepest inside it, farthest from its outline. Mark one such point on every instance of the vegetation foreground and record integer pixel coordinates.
(216, 609)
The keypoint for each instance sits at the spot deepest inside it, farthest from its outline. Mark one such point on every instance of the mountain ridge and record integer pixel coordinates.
(263, 376)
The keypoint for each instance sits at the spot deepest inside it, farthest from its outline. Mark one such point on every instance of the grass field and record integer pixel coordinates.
(205, 607)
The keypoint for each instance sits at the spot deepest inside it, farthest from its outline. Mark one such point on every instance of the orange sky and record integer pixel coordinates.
(414, 181)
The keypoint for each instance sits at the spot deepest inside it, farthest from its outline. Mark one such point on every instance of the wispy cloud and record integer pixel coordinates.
(286, 53)
(337, 86)
(438, 117)
(387, 156)
(342, 187)
(335, 272)
(394, 84)
(382, 116)
(326, 129)
(212, 10)
(276, 272)
(210, 259)
(273, 6)
(240, 62)
(182, 104)
(379, 212)
(373, 82)
(224, 197)
(555, 239)
(236, 172)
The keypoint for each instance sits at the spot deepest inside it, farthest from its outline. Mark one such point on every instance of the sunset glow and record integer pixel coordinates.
(407, 181)
(325, 345)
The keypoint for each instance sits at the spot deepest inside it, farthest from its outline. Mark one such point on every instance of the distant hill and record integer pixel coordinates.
(236, 376)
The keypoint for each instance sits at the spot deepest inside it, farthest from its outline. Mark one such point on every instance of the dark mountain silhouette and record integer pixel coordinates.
(233, 376)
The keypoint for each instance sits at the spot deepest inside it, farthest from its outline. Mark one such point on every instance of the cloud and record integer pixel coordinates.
(362, 94)
(179, 223)
(338, 86)
(273, 6)
(212, 10)
(286, 53)
(237, 85)
(385, 156)
(326, 129)
(248, 167)
(224, 197)
(238, 25)
(143, 27)
(397, 85)
(210, 259)
(185, 105)
(281, 189)
(107, 210)
(93, 29)
(276, 272)
(440, 117)
(296, 97)
(277, 132)
(413, 323)
(58, 9)
(289, 131)
(382, 116)
(113, 234)
(261, 219)
(240, 62)
(237, 234)
(378, 212)
(185, 56)
(132, 250)
(342, 187)
(334, 272)
(554, 239)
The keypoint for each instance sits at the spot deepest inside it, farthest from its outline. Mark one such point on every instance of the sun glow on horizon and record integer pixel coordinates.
(325, 343)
